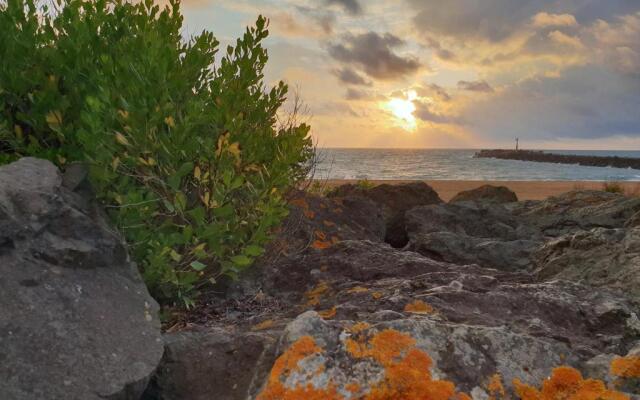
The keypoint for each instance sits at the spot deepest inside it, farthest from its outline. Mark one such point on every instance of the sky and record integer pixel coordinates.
(558, 74)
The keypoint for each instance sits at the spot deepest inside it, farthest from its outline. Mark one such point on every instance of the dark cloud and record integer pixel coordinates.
(423, 111)
(433, 90)
(356, 94)
(475, 86)
(352, 7)
(590, 102)
(351, 77)
(375, 55)
(495, 20)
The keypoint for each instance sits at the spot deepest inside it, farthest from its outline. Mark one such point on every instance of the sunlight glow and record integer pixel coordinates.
(403, 110)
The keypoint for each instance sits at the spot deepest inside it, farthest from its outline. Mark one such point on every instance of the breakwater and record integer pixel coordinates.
(541, 156)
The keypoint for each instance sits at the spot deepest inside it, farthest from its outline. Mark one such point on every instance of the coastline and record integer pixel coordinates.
(525, 190)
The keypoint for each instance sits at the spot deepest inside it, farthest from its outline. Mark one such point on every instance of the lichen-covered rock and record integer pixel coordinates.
(395, 201)
(216, 363)
(408, 359)
(76, 320)
(487, 193)
(599, 257)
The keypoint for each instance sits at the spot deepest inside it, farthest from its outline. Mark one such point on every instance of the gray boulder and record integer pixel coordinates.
(76, 320)
(215, 363)
(598, 257)
(395, 201)
(472, 233)
(578, 210)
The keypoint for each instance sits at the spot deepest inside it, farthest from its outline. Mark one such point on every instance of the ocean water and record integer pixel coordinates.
(438, 164)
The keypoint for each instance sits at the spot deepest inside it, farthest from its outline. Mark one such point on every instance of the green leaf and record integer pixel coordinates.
(198, 266)
(253, 250)
(241, 260)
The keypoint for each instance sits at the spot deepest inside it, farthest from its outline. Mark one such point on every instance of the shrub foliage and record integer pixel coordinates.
(184, 148)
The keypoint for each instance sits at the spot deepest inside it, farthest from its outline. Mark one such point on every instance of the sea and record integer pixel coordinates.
(459, 164)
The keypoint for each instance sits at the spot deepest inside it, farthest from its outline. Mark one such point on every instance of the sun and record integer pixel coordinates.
(403, 110)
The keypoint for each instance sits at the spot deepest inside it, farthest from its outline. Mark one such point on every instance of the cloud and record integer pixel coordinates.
(355, 94)
(352, 7)
(288, 25)
(585, 102)
(424, 112)
(617, 42)
(349, 76)
(475, 86)
(433, 90)
(543, 20)
(375, 55)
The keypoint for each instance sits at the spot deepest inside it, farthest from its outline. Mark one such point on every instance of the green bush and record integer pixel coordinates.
(184, 150)
(613, 187)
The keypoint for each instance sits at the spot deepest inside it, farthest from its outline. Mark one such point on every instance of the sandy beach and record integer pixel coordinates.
(526, 190)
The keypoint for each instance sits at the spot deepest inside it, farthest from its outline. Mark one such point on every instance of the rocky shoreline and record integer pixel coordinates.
(366, 293)
(540, 156)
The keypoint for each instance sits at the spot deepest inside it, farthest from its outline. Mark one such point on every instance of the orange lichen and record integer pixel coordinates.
(263, 325)
(309, 214)
(352, 387)
(419, 307)
(377, 295)
(321, 244)
(288, 363)
(319, 234)
(407, 374)
(496, 388)
(358, 289)
(567, 383)
(314, 295)
(328, 314)
(359, 327)
(626, 367)
(335, 239)
(328, 223)
(300, 202)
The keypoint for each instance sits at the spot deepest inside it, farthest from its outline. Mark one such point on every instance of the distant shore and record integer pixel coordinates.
(525, 190)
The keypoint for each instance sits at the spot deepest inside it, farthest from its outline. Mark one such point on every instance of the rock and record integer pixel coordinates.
(487, 193)
(409, 358)
(634, 221)
(212, 364)
(598, 257)
(578, 210)
(472, 233)
(319, 222)
(76, 320)
(395, 200)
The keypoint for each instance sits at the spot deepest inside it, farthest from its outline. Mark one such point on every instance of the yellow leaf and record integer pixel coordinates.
(196, 173)
(120, 138)
(234, 148)
(18, 131)
(151, 161)
(61, 160)
(171, 123)
(54, 119)
(199, 247)
(205, 199)
(115, 163)
(142, 161)
(123, 114)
